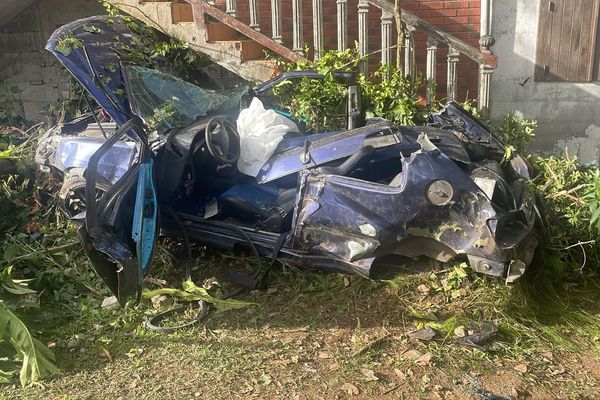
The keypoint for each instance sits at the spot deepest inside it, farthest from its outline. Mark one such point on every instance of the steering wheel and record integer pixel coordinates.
(222, 140)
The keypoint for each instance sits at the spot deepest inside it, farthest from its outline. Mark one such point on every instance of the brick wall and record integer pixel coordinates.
(458, 17)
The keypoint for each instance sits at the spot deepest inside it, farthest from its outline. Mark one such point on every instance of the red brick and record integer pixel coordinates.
(435, 20)
(468, 11)
(474, 19)
(456, 4)
(432, 5)
(455, 20)
(449, 12)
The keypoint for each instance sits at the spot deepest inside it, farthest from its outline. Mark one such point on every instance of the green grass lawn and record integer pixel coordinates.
(314, 335)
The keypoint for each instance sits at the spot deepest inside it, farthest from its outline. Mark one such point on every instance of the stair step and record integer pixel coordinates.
(252, 50)
(181, 12)
(217, 31)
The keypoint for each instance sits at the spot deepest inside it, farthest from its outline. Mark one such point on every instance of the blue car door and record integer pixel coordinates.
(121, 227)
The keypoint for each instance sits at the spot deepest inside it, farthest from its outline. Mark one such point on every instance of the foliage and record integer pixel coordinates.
(151, 48)
(516, 132)
(450, 285)
(67, 43)
(37, 361)
(10, 112)
(389, 94)
(322, 103)
(191, 292)
(572, 196)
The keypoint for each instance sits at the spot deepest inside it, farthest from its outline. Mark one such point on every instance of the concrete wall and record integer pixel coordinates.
(568, 113)
(24, 62)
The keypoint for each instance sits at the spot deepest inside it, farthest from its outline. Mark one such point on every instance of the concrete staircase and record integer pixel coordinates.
(210, 30)
(214, 29)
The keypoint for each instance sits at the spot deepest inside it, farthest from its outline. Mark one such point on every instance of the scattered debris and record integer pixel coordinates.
(478, 336)
(522, 368)
(350, 388)
(425, 334)
(109, 302)
(369, 374)
(371, 344)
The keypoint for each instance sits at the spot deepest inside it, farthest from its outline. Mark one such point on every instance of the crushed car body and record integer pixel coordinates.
(339, 201)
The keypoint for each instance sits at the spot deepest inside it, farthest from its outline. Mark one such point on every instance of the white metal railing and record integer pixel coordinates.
(411, 24)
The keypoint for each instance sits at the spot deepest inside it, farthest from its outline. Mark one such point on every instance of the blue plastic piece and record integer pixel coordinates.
(145, 218)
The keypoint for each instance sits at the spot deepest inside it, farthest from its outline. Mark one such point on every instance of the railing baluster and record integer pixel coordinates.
(386, 37)
(485, 80)
(453, 55)
(431, 69)
(231, 8)
(342, 24)
(410, 65)
(363, 32)
(276, 20)
(317, 8)
(254, 22)
(297, 33)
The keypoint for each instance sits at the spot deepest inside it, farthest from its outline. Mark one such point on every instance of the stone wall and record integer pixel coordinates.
(24, 62)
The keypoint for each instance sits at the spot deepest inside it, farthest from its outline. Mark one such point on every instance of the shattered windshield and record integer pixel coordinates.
(165, 102)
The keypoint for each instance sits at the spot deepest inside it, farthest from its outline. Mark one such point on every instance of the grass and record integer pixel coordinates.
(313, 334)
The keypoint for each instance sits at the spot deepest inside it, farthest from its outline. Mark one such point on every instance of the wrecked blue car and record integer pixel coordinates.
(372, 194)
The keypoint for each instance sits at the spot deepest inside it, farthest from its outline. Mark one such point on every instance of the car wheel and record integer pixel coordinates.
(71, 197)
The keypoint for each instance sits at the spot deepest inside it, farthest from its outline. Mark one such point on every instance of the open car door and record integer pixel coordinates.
(121, 227)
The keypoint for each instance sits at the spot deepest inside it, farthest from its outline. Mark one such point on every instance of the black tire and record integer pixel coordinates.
(71, 197)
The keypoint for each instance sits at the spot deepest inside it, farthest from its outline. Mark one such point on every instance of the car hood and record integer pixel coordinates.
(89, 48)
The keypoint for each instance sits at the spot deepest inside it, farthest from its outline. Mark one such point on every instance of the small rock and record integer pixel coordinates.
(425, 334)
(459, 331)
(522, 368)
(73, 343)
(109, 302)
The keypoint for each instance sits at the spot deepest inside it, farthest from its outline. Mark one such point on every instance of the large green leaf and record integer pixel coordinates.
(191, 292)
(38, 360)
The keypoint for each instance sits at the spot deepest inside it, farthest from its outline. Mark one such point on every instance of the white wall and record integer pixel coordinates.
(568, 113)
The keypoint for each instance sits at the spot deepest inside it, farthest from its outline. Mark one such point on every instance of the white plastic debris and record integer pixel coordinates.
(260, 132)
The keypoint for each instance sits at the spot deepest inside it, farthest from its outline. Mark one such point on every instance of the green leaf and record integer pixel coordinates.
(19, 290)
(37, 359)
(191, 292)
(91, 29)
(63, 48)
